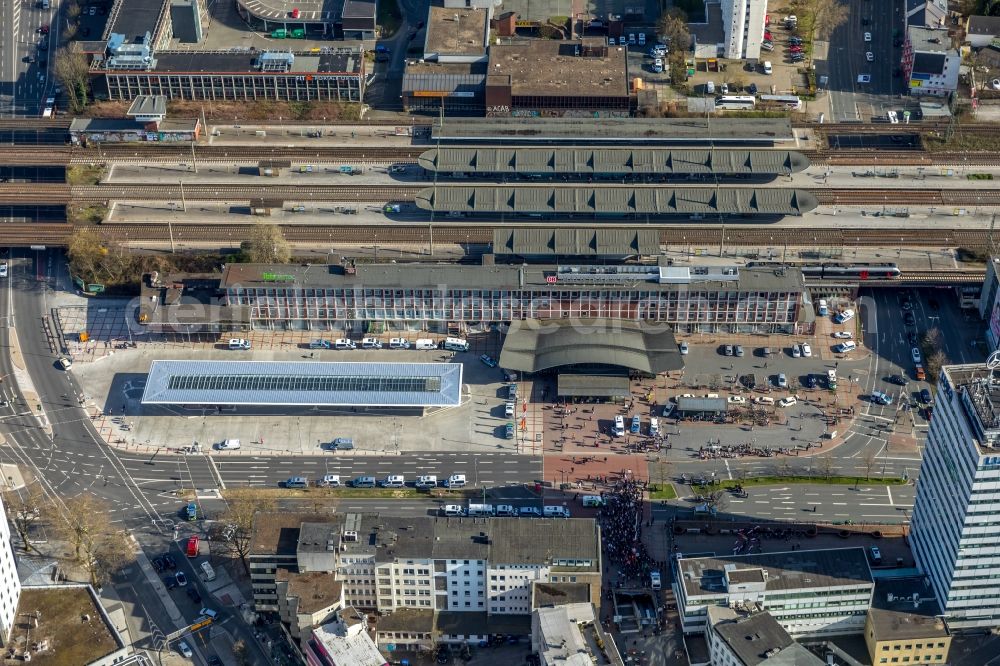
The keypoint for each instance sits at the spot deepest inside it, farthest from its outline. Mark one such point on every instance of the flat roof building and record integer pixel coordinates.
(752, 640)
(10, 591)
(901, 638)
(954, 532)
(930, 63)
(328, 74)
(424, 562)
(456, 35)
(555, 78)
(402, 297)
(304, 384)
(567, 635)
(335, 19)
(809, 592)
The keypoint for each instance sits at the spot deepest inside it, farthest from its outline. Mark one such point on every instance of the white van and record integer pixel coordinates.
(823, 308)
(371, 343)
(506, 510)
(455, 481)
(363, 482)
(764, 400)
(619, 426)
(654, 425)
(229, 444)
(344, 343)
(456, 344)
(399, 343)
(654, 580)
(425, 344)
(555, 512)
(481, 510)
(452, 510)
(207, 572)
(429, 481)
(710, 87)
(593, 500)
(845, 316)
(846, 346)
(239, 343)
(787, 402)
(329, 481)
(394, 481)
(529, 511)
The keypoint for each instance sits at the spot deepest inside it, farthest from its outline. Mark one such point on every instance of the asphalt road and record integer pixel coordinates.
(24, 86)
(850, 100)
(74, 460)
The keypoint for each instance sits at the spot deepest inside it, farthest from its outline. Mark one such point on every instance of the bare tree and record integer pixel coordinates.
(234, 528)
(819, 18)
(266, 245)
(716, 500)
(932, 340)
(241, 653)
(869, 458)
(27, 507)
(71, 67)
(661, 468)
(97, 546)
(826, 465)
(935, 362)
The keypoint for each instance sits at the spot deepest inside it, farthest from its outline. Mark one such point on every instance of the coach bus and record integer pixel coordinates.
(790, 102)
(736, 102)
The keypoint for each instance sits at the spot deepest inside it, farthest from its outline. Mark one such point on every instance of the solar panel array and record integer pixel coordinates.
(304, 383)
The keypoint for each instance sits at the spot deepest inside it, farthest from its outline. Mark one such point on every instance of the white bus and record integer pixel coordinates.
(790, 102)
(736, 102)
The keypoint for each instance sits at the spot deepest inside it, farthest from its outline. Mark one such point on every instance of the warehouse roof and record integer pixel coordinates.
(453, 31)
(536, 345)
(575, 242)
(134, 18)
(700, 131)
(551, 68)
(581, 160)
(442, 277)
(614, 200)
(303, 383)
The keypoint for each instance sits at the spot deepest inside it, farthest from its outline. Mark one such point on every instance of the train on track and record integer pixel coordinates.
(841, 271)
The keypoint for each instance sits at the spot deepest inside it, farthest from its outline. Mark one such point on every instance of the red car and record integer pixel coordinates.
(767, 36)
(767, 20)
(44, 30)
(192, 546)
(795, 49)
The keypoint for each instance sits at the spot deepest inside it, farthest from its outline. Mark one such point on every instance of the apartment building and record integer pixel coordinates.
(752, 640)
(743, 21)
(955, 530)
(10, 584)
(930, 63)
(808, 592)
(391, 563)
(893, 637)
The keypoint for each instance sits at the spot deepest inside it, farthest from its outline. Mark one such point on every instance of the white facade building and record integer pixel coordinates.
(808, 592)
(955, 531)
(10, 584)
(743, 21)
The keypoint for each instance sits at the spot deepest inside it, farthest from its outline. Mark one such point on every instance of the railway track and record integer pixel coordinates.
(49, 193)
(694, 236)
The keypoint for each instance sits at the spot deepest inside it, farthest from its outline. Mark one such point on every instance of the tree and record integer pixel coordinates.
(932, 340)
(819, 18)
(94, 259)
(26, 508)
(672, 26)
(716, 500)
(241, 653)
(935, 362)
(869, 458)
(72, 69)
(661, 469)
(826, 466)
(97, 546)
(266, 245)
(234, 527)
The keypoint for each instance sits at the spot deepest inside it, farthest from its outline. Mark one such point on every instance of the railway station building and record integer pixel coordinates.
(377, 298)
(257, 386)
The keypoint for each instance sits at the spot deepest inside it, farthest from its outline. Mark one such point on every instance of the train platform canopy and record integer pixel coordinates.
(535, 241)
(537, 345)
(288, 384)
(617, 161)
(761, 131)
(612, 387)
(614, 201)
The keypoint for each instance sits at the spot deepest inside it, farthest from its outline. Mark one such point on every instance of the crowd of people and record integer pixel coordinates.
(621, 527)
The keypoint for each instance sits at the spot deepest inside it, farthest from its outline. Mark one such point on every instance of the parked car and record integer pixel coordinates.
(182, 647)
(781, 381)
(193, 593)
(684, 348)
(508, 430)
(488, 361)
(806, 350)
(915, 355)
(844, 335)
(896, 379)
(181, 578)
(925, 396)
(811, 381)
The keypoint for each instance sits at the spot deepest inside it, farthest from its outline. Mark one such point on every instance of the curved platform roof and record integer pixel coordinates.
(536, 345)
(623, 161)
(657, 201)
(696, 131)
